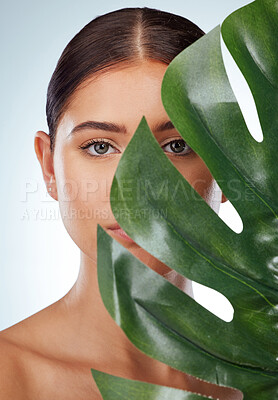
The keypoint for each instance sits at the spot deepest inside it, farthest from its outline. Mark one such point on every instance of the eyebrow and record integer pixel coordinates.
(112, 127)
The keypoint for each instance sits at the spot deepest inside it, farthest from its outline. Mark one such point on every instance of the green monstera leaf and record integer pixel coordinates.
(164, 215)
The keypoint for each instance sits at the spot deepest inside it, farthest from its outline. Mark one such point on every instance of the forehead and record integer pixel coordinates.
(122, 92)
(125, 77)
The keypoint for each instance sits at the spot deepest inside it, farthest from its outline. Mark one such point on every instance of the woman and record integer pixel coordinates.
(107, 78)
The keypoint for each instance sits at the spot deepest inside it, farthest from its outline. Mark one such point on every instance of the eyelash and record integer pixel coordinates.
(94, 141)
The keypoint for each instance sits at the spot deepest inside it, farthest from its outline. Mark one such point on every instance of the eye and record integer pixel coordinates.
(177, 147)
(99, 147)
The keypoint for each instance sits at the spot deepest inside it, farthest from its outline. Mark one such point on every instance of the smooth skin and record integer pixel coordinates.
(51, 352)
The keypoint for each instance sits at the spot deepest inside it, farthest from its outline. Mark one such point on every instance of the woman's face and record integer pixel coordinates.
(84, 176)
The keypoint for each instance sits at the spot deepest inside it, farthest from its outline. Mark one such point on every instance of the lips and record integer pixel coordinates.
(117, 230)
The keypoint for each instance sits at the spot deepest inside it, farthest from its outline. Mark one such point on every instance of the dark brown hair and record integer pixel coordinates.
(123, 36)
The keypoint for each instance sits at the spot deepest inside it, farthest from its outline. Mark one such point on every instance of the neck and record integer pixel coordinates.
(93, 326)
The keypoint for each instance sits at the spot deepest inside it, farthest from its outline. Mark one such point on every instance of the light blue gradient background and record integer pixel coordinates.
(39, 261)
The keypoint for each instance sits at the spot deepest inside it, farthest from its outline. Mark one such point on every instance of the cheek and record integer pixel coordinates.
(83, 193)
(83, 182)
(198, 175)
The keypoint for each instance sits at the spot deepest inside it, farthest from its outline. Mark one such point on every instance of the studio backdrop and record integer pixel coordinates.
(39, 261)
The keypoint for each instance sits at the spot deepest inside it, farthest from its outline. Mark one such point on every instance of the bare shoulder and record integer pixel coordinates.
(12, 379)
(29, 374)
(16, 360)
